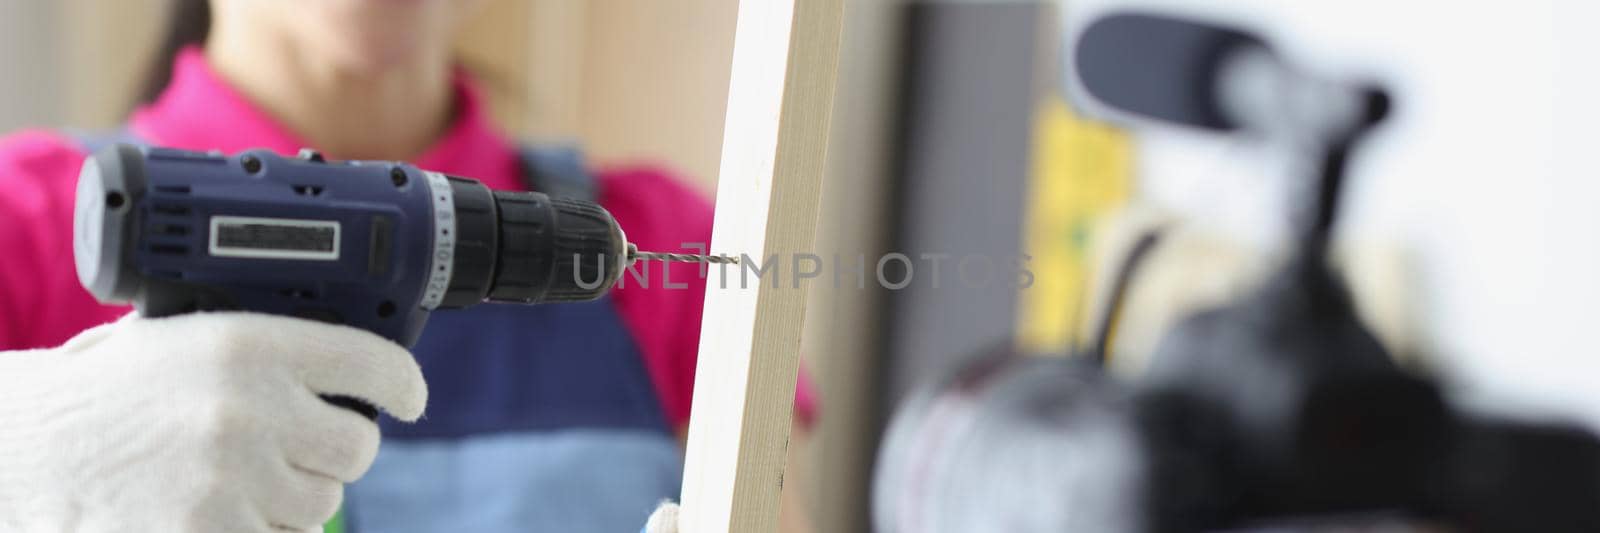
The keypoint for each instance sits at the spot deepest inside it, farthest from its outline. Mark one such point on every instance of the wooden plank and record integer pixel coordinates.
(780, 95)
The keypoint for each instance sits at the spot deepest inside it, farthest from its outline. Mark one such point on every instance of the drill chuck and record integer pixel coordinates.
(527, 247)
(375, 245)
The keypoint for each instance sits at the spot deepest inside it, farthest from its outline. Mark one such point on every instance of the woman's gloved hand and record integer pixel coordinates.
(200, 422)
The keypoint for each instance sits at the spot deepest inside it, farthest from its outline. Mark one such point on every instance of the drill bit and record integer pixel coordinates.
(635, 255)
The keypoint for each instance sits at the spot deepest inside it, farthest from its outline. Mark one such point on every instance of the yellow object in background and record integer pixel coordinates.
(1081, 171)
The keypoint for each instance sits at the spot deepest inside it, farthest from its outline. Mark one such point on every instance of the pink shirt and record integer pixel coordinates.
(42, 304)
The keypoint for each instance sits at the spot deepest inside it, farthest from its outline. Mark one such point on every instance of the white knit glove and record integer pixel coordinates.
(202, 422)
(663, 520)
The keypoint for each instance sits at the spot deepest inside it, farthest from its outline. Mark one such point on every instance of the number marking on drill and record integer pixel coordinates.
(444, 240)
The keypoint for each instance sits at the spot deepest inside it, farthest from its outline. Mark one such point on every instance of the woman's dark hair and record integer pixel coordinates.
(188, 23)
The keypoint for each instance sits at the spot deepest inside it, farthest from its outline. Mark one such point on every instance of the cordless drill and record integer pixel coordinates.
(375, 245)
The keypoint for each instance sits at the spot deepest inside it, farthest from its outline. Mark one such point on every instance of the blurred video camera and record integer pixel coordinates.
(1277, 411)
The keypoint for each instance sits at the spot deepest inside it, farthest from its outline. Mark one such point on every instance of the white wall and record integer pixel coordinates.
(29, 73)
(1487, 173)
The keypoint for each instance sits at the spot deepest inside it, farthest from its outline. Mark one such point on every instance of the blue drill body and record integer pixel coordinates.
(373, 245)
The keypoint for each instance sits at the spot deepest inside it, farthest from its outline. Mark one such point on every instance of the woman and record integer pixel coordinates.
(547, 418)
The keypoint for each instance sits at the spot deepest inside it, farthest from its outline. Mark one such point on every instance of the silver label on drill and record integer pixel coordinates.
(444, 240)
(274, 238)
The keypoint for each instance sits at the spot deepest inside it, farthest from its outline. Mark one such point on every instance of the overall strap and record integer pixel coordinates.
(557, 170)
